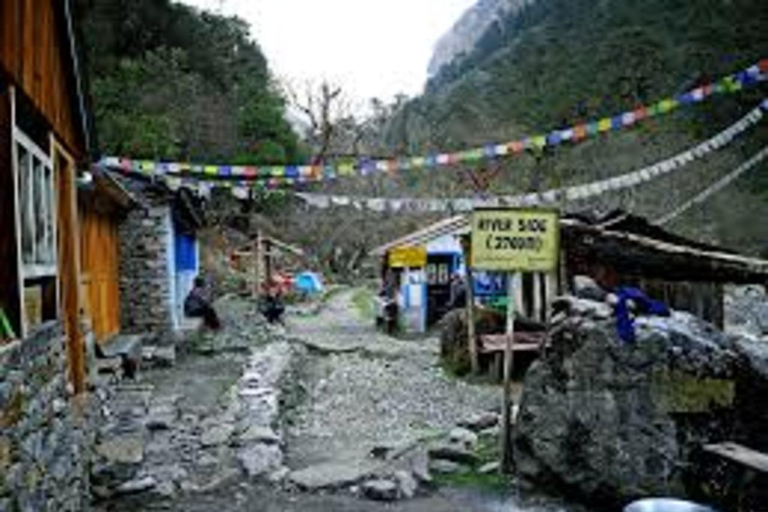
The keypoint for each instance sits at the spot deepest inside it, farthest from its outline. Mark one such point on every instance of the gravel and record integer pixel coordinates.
(387, 392)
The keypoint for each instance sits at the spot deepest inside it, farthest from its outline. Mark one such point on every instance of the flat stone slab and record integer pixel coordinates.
(380, 490)
(126, 449)
(464, 437)
(217, 435)
(128, 345)
(446, 467)
(259, 434)
(479, 422)
(136, 486)
(332, 475)
(453, 453)
(260, 459)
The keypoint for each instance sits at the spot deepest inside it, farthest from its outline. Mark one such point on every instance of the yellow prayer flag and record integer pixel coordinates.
(346, 169)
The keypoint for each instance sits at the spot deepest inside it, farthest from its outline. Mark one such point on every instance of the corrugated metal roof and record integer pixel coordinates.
(453, 226)
(669, 243)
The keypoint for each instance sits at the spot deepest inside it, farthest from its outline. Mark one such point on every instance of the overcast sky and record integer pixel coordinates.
(373, 48)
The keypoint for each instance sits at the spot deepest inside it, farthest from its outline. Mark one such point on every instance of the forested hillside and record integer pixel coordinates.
(169, 82)
(560, 62)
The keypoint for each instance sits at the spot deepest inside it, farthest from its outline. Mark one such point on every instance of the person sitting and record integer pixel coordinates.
(198, 305)
(272, 306)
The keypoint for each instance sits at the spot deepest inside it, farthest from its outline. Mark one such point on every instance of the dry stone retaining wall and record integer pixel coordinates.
(44, 443)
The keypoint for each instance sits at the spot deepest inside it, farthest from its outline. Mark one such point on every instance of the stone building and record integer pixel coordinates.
(44, 139)
(159, 258)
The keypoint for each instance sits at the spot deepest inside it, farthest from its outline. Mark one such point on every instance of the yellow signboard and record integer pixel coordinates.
(526, 240)
(408, 257)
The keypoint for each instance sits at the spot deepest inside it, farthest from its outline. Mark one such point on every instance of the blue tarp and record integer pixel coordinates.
(308, 282)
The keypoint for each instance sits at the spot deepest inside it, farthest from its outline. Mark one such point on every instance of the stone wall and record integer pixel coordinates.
(146, 250)
(44, 438)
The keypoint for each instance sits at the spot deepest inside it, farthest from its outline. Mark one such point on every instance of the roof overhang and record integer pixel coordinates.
(651, 247)
(455, 226)
(103, 193)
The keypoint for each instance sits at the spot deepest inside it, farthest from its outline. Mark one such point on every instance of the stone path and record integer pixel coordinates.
(210, 420)
(367, 391)
(213, 432)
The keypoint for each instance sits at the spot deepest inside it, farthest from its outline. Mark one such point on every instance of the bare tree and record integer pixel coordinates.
(323, 107)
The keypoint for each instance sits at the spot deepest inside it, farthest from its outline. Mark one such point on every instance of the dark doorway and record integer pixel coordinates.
(439, 270)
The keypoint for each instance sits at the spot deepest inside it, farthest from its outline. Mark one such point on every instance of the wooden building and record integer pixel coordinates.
(103, 204)
(45, 443)
(44, 135)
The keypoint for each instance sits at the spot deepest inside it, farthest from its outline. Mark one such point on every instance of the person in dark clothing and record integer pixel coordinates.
(272, 306)
(458, 293)
(198, 305)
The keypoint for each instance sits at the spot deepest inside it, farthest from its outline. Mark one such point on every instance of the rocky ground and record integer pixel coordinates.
(366, 390)
(324, 415)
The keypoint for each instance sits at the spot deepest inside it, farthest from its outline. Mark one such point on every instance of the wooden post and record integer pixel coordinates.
(538, 312)
(519, 296)
(257, 265)
(550, 287)
(506, 451)
(69, 267)
(470, 284)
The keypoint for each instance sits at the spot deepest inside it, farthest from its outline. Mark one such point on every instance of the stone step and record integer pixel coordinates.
(122, 345)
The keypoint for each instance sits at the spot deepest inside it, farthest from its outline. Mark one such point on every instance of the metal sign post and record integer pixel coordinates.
(513, 241)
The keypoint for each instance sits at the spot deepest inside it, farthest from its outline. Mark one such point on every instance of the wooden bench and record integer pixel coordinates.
(744, 479)
(734, 452)
(496, 344)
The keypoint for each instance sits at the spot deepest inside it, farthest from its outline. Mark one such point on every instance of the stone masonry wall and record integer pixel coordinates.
(145, 281)
(44, 436)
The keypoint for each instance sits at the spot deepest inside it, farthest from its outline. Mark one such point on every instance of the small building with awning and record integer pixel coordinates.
(418, 268)
(615, 249)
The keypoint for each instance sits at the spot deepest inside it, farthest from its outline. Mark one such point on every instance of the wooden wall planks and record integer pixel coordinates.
(35, 54)
(99, 251)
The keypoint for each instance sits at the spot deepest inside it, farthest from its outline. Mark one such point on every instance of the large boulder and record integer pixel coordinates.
(454, 346)
(746, 310)
(608, 421)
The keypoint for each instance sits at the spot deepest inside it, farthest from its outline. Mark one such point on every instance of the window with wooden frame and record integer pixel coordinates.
(36, 215)
(37, 208)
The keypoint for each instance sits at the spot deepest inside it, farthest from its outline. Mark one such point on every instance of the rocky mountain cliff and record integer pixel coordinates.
(463, 36)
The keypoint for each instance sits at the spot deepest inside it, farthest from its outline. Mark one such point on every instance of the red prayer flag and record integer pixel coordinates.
(580, 132)
(763, 65)
(517, 146)
(641, 113)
